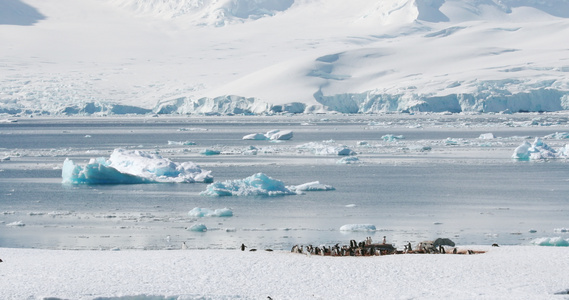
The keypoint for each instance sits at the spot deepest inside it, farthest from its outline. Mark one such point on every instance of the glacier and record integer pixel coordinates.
(132, 167)
(151, 57)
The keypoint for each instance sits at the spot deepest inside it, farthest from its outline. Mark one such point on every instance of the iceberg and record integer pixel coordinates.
(320, 149)
(132, 167)
(358, 227)
(256, 185)
(348, 160)
(260, 185)
(538, 150)
(209, 152)
(554, 241)
(274, 135)
(198, 212)
(313, 186)
(198, 228)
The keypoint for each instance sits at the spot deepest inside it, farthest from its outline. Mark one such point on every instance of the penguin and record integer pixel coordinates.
(0, 260)
(184, 246)
(243, 247)
(495, 245)
(454, 251)
(253, 250)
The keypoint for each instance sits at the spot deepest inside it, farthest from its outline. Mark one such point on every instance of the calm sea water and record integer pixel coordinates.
(408, 196)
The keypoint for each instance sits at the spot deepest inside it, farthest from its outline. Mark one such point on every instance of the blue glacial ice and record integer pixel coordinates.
(260, 185)
(132, 167)
(198, 228)
(552, 242)
(199, 212)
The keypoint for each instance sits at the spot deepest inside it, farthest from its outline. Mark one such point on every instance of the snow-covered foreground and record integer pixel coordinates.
(513, 272)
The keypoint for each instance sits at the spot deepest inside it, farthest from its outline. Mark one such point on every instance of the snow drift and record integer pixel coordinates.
(132, 167)
(283, 56)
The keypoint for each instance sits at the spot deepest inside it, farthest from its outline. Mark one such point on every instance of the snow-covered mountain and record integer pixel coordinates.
(266, 56)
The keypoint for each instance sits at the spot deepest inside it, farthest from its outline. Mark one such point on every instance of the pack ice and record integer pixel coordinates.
(131, 167)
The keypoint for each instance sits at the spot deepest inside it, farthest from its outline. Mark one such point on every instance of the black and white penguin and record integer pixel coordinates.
(243, 247)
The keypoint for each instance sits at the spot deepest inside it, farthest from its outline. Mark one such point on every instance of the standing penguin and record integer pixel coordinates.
(243, 247)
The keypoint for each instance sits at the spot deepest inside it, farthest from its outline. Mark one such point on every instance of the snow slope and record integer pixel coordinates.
(265, 56)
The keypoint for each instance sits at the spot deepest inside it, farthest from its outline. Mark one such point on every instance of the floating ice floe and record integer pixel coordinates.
(554, 241)
(536, 151)
(198, 228)
(348, 160)
(131, 167)
(358, 227)
(558, 136)
(313, 186)
(486, 136)
(321, 149)
(275, 134)
(180, 143)
(210, 152)
(392, 138)
(260, 185)
(16, 224)
(198, 212)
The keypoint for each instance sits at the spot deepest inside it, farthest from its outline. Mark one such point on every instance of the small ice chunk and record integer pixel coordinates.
(392, 138)
(209, 152)
(198, 228)
(16, 224)
(313, 186)
(554, 241)
(281, 135)
(486, 136)
(198, 212)
(255, 136)
(358, 227)
(348, 160)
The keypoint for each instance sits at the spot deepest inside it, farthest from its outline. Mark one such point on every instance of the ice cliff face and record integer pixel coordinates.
(283, 56)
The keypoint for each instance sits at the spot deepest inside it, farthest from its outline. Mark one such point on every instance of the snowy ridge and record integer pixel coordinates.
(271, 56)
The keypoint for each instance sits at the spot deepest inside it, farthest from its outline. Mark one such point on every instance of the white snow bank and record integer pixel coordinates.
(358, 227)
(260, 185)
(206, 212)
(507, 272)
(270, 135)
(132, 166)
(538, 150)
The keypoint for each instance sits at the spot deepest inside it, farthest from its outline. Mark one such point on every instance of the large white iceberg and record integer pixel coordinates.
(131, 167)
(260, 185)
